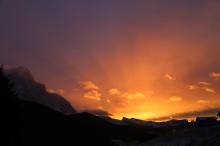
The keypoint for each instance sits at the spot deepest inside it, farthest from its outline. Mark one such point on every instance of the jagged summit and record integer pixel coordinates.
(21, 72)
(27, 88)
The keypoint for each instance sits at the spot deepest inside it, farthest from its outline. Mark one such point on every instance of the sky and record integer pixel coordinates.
(147, 59)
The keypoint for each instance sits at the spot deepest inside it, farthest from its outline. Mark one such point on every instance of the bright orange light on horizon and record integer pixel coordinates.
(147, 80)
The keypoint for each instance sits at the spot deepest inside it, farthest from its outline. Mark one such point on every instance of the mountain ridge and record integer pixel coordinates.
(27, 88)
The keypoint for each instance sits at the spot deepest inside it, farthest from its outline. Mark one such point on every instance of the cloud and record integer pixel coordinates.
(192, 114)
(210, 90)
(203, 86)
(204, 83)
(169, 77)
(108, 100)
(114, 91)
(174, 99)
(99, 112)
(215, 75)
(51, 91)
(136, 95)
(127, 95)
(92, 90)
(88, 85)
(57, 91)
(202, 101)
(94, 95)
(192, 87)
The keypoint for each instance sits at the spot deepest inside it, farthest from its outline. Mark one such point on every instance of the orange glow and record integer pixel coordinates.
(147, 75)
(147, 83)
(146, 59)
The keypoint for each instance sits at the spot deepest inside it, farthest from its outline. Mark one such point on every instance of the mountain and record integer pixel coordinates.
(28, 89)
(30, 120)
(170, 123)
(113, 121)
(25, 123)
(37, 125)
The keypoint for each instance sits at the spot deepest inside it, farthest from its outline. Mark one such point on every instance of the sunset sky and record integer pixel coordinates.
(147, 59)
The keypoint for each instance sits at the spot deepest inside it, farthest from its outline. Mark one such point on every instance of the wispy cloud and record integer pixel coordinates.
(88, 85)
(210, 90)
(169, 77)
(92, 90)
(98, 112)
(93, 94)
(192, 114)
(202, 83)
(57, 91)
(108, 100)
(114, 91)
(202, 101)
(193, 87)
(175, 99)
(215, 75)
(127, 95)
(136, 95)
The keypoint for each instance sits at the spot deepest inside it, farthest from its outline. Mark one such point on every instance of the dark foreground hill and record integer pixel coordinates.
(37, 125)
(27, 123)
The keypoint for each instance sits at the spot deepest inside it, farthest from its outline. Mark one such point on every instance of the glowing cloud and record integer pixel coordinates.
(94, 95)
(169, 77)
(202, 101)
(136, 95)
(114, 91)
(192, 87)
(174, 99)
(204, 83)
(57, 91)
(126, 95)
(88, 85)
(202, 86)
(210, 90)
(108, 100)
(215, 75)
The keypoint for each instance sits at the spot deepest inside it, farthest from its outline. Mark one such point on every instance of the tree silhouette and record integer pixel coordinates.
(8, 107)
(218, 114)
(7, 97)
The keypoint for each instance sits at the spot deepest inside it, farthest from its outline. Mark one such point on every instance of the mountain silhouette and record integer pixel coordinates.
(8, 110)
(27, 88)
(39, 125)
(25, 123)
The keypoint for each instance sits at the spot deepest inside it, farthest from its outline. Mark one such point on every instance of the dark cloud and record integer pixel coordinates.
(206, 112)
(99, 112)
